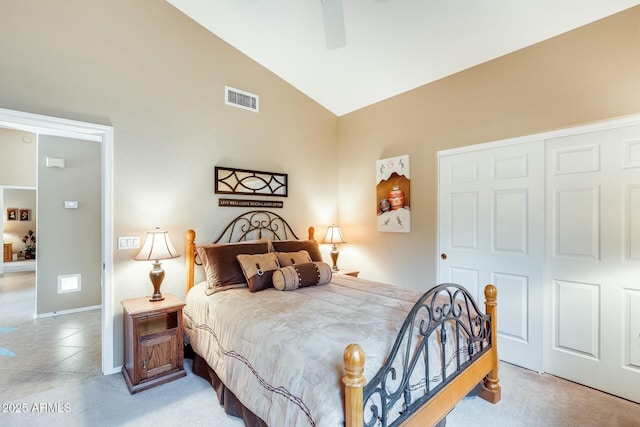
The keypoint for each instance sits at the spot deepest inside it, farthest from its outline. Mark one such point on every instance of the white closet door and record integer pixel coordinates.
(593, 259)
(491, 230)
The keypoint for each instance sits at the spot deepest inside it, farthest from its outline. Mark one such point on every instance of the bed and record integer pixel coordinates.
(289, 349)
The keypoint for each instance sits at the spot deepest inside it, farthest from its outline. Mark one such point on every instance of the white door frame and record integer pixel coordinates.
(593, 127)
(97, 133)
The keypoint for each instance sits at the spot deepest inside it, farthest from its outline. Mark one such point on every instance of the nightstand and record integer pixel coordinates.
(353, 273)
(153, 348)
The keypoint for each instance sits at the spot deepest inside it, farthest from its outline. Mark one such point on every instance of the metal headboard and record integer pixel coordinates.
(255, 225)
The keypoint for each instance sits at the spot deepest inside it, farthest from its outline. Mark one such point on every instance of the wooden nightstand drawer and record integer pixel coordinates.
(153, 348)
(157, 356)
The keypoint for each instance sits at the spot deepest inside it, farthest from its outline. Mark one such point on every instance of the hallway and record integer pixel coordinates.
(39, 354)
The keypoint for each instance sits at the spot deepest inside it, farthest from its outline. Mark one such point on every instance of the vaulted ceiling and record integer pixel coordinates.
(392, 46)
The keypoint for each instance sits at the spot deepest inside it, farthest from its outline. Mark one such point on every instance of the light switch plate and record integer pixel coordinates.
(71, 204)
(128, 242)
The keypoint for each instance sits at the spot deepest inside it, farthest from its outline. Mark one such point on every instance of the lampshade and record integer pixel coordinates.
(157, 246)
(334, 236)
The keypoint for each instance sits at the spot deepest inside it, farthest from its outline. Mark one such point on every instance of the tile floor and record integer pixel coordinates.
(49, 352)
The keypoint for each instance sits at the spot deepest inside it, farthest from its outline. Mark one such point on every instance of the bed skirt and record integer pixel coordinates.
(232, 406)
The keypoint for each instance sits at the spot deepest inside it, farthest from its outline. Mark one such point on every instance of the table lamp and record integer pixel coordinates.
(156, 247)
(334, 237)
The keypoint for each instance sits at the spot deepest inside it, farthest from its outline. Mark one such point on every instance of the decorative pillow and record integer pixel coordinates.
(286, 259)
(258, 270)
(221, 267)
(301, 276)
(310, 246)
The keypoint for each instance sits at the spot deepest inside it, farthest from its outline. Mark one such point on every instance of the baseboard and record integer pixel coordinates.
(17, 266)
(114, 370)
(73, 310)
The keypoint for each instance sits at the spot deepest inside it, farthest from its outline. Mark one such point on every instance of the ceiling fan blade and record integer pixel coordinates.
(334, 30)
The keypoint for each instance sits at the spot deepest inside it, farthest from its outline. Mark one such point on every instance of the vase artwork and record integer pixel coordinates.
(393, 194)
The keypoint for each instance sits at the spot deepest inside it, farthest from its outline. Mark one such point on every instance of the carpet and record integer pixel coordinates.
(105, 401)
(528, 399)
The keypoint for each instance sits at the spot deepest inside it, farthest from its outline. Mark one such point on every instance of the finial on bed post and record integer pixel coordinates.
(312, 231)
(189, 257)
(353, 381)
(491, 389)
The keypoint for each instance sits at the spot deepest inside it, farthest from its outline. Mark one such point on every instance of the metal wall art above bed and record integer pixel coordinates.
(250, 182)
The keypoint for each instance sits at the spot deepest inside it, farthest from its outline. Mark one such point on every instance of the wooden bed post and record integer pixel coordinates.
(189, 257)
(491, 389)
(353, 381)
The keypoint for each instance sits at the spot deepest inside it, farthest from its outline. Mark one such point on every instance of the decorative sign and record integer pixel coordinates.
(246, 182)
(250, 203)
(393, 194)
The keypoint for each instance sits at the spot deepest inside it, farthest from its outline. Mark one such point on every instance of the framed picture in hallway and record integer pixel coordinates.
(12, 214)
(25, 214)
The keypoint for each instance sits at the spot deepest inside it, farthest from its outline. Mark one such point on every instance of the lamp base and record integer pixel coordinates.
(157, 276)
(334, 258)
(156, 297)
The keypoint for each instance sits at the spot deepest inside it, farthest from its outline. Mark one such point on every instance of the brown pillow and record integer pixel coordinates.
(301, 276)
(258, 270)
(286, 259)
(310, 246)
(221, 267)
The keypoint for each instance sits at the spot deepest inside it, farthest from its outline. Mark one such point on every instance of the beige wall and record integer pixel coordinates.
(69, 239)
(158, 78)
(587, 75)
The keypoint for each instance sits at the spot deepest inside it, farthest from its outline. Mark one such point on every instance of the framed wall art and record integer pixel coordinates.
(12, 214)
(25, 214)
(393, 194)
(249, 182)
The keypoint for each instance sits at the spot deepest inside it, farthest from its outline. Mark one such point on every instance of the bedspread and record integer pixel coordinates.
(280, 353)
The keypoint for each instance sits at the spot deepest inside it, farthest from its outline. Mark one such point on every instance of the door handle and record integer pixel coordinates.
(443, 256)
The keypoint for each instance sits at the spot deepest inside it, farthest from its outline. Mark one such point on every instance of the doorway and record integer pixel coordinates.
(46, 125)
(19, 231)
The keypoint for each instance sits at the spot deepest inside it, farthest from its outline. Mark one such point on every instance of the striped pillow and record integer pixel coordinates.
(301, 276)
